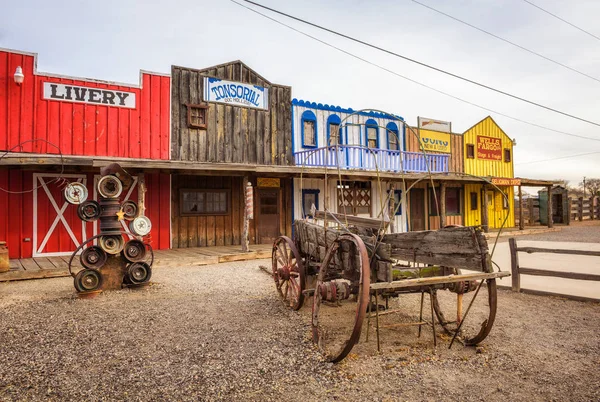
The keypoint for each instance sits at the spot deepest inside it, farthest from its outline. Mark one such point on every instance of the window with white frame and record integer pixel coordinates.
(309, 129)
(372, 133)
(393, 137)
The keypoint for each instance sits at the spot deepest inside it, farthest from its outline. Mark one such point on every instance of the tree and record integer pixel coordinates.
(592, 186)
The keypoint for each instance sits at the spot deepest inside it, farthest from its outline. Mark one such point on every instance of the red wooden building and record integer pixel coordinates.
(61, 128)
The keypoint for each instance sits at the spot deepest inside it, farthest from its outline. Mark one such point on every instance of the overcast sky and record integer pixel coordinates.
(113, 40)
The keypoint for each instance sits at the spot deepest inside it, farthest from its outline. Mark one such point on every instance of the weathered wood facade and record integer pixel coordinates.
(233, 134)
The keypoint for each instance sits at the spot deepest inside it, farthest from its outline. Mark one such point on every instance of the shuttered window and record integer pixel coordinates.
(204, 202)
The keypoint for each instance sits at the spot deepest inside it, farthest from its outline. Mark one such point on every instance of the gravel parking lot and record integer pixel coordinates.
(219, 333)
(583, 232)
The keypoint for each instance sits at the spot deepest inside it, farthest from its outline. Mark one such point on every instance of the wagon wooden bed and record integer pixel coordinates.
(345, 267)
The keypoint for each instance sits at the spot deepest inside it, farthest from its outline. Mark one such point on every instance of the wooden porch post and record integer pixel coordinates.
(521, 215)
(442, 204)
(141, 194)
(245, 230)
(550, 223)
(392, 207)
(484, 210)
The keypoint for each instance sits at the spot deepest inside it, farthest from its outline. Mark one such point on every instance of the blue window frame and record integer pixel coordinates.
(397, 201)
(372, 134)
(333, 128)
(393, 136)
(308, 127)
(309, 197)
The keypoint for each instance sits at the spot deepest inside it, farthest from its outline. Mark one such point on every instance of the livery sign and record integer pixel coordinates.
(236, 93)
(489, 148)
(95, 96)
(435, 141)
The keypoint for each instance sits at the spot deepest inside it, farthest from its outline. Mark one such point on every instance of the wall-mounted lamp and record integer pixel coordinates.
(514, 142)
(19, 77)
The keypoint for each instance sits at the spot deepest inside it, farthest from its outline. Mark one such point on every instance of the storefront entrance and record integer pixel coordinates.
(417, 209)
(267, 219)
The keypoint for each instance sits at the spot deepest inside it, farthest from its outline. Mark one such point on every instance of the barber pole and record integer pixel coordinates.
(249, 201)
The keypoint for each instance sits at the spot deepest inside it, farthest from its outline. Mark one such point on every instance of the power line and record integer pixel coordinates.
(563, 20)
(423, 64)
(414, 81)
(560, 157)
(507, 41)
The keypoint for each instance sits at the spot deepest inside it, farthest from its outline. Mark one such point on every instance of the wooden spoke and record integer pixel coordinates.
(288, 272)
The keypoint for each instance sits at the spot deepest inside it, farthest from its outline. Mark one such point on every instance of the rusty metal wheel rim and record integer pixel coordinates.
(112, 244)
(288, 272)
(130, 210)
(93, 257)
(134, 251)
(88, 280)
(110, 186)
(75, 193)
(362, 297)
(139, 272)
(470, 339)
(89, 210)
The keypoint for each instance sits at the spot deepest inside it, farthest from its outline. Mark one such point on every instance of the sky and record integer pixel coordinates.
(113, 40)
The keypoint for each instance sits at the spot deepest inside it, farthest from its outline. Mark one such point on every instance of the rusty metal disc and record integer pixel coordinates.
(89, 210)
(112, 244)
(75, 193)
(130, 210)
(140, 226)
(333, 342)
(288, 272)
(87, 280)
(134, 251)
(110, 186)
(138, 272)
(93, 257)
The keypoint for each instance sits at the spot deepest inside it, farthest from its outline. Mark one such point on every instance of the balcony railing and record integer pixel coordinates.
(358, 157)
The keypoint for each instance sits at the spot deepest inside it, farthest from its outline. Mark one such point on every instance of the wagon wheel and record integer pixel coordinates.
(480, 319)
(346, 262)
(288, 272)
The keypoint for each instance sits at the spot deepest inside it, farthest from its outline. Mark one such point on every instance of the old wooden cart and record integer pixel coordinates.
(347, 267)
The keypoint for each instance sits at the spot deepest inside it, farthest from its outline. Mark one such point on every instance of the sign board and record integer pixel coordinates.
(435, 125)
(236, 93)
(95, 96)
(501, 181)
(267, 182)
(489, 148)
(435, 141)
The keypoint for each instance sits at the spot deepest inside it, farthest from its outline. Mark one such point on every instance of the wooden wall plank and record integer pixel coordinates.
(193, 133)
(176, 111)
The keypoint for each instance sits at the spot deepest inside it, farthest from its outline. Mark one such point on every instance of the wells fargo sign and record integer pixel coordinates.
(489, 148)
(235, 93)
(79, 94)
(435, 141)
(501, 181)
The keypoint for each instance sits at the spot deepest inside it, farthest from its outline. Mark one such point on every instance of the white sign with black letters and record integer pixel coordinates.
(236, 93)
(95, 96)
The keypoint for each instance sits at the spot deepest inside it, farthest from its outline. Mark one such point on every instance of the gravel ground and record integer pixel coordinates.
(584, 232)
(219, 333)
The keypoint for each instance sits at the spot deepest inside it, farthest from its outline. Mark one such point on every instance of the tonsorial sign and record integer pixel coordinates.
(235, 93)
(79, 94)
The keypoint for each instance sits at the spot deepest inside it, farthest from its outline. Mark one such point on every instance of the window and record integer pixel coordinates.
(470, 151)
(204, 202)
(507, 155)
(474, 203)
(196, 116)
(393, 137)
(505, 200)
(452, 201)
(333, 130)
(371, 132)
(397, 202)
(309, 129)
(354, 197)
(309, 198)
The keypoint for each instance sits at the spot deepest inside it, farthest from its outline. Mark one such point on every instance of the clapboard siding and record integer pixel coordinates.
(234, 134)
(456, 160)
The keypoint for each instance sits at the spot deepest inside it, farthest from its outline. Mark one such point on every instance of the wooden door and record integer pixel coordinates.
(267, 217)
(417, 209)
(491, 207)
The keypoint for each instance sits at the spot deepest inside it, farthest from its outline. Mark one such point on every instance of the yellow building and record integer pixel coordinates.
(488, 152)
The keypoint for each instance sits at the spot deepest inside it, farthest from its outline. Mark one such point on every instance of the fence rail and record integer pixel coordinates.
(580, 209)
(357, 157)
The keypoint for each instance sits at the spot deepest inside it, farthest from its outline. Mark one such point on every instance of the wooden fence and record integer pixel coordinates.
(583, 209)
(517, 270)
(531, 211)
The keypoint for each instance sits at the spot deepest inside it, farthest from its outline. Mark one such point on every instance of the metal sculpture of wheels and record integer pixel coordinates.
(110, 186)
(134, 251)
(93, 257)
(138, 272)
(88, 280)
(130, 210)
(336, 319)
(89, 210)
(112, 244)
(476, 323)
(75, 193)
(288, 272)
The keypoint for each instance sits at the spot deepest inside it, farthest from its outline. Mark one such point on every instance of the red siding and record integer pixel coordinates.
(82, 129)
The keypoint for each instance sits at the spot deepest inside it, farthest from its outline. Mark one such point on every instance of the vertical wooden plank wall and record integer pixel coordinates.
(234, 134)
(78, 128)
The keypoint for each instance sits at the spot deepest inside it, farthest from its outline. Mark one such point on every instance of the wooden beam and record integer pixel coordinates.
(550, 223)
(559, 274)
(442, 204)
(514, 265)
(521, 214)
(373, 223)
(406, 283)
(484, 211)
(531, 250)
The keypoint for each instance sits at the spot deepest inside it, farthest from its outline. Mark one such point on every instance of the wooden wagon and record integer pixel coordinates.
(349, 266)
